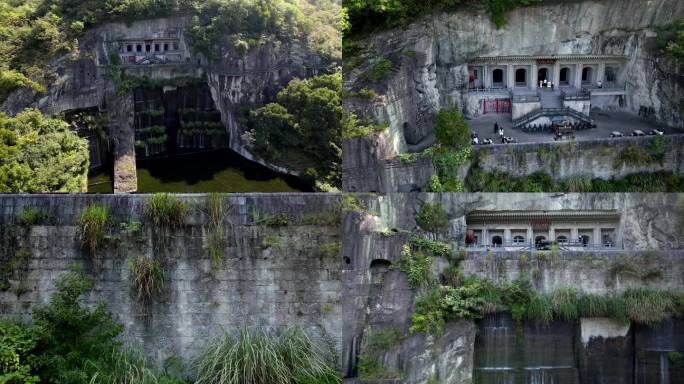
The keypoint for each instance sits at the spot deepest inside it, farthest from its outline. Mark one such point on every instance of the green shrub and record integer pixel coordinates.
(147, 280)
(275, 220)
(432, 218)
(417, 266)
(270, 241)
(256, 357)
(331, 249)
(379, 70)
(93, 224)
(352, 203)
(31, 216)
(72, 337)
(451, 129)
(166, 211)
(17, 344)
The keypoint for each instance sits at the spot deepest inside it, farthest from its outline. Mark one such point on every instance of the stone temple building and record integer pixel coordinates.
(569, 229)
(515, 85)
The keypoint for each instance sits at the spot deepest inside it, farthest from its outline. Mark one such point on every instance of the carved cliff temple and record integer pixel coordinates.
(519, 230)
(579, 81)
(157, 48)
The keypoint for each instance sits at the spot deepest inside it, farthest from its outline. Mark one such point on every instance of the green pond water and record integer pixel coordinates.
(216, 171)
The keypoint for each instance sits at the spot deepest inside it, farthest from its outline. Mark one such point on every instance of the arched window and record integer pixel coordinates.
(497, 77)
(564, 76)
(497, 241)
(539, 239)
(521, 77)
(562, 239)
(586, 75)
(543, 74)
(518, 239)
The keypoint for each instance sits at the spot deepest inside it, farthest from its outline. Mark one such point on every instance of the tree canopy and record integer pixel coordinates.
(40, 154)
(451, 129)
(303, 129)
(34, 31)
(364, 16)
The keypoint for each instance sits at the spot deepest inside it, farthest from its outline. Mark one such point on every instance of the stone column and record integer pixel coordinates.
(510, 79)
(574, 234)
(507, 235)
(534, 76)
(578, 76)
(601, 74)
(485, 236)
(552, 234)
(597, 236)
(485, 76)
(530, 233)
(556, 74)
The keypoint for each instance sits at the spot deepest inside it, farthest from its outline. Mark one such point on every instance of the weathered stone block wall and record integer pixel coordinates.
(595, 158)
(592, 158)
(294, 280)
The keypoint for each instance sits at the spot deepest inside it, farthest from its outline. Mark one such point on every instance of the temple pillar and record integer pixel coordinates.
(552, 234)
(530, 233)
(534, 76)
(507, 236)
(601, 75)
(510, 76)
(485, 76)
(578, 76)
(556, 73)
(574, 234)
(597, 236)
(485, 236)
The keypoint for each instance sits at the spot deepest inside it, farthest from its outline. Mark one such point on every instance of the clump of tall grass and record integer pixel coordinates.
(166, 211)
(540, 309)
(93, 224)
(566, 303)
(148, 279)
(216, 211)
(130, 367)
(257, 357)
(647, 306)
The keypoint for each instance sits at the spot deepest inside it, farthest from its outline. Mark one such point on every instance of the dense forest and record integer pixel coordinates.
(364, 16)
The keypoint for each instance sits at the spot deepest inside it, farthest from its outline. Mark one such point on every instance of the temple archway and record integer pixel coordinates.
(587, 75)
(543, 74)
(497, 241)
(497, 78)
(564, 76)
(521, 77)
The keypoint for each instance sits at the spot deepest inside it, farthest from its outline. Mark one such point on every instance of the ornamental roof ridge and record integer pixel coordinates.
(549, 57)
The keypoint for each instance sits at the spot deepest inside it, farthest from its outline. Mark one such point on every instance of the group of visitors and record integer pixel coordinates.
(497, 130)
(546, 84)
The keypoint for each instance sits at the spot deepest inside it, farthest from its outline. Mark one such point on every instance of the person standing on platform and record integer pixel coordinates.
(496, 128)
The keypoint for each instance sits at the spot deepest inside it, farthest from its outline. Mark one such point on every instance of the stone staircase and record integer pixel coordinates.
(550, 99)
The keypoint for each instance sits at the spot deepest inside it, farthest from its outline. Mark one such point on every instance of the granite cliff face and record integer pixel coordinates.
(378, 296)
(236, 80)
(430, 60)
